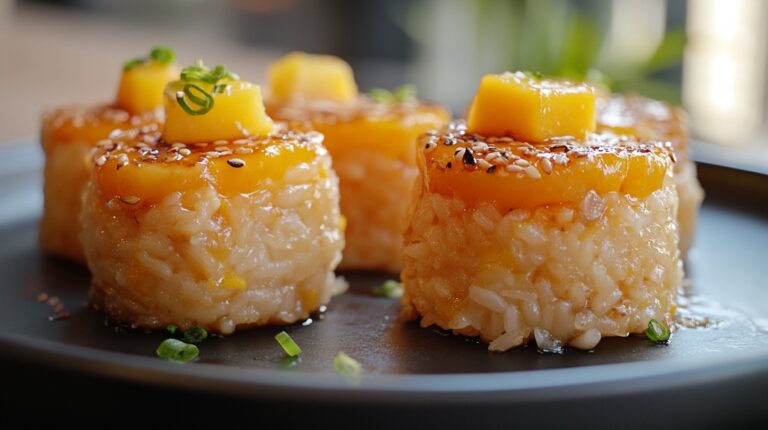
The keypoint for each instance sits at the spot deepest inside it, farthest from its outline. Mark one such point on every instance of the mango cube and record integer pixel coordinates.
(312, 77)
(141, 87)
(531, 109)
(236, 111)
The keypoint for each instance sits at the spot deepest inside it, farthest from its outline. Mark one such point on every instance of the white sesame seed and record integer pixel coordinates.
(185, 151)
(101, 160)
(129, 200)
(492, 156)
(522, 163)
(511, 168)
(532, 172)
(546, 165)
(459, 153)
(243, 150)
(481, 163)
(240, 142)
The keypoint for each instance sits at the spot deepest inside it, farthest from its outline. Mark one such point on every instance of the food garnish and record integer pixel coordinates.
(402, 94)
(347, 367)
(390, 289)
(177, 351)
(159, 54)
(657, 331)
(289, 345)
(195, 334)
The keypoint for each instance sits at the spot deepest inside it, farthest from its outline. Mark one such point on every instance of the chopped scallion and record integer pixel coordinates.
(160, 54)
(390, 289)
(177, 351)
(402, 94)
(171, 328)
(348, 368)
(288, 344)
(657, 332)
(195, 334)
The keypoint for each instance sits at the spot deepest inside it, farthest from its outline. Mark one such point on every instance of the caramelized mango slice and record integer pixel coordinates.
(312, 77)
(236, 111)
(139, 178)
(141, 87)
(514, 175)
(392, 136)
(531, 109)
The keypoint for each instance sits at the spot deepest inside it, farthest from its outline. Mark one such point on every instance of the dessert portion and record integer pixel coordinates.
(221, 220)
(635, 115)
(69, 134)
(540, 229)
(372, 141)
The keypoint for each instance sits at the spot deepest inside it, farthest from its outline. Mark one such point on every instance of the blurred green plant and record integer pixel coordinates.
(554, 38)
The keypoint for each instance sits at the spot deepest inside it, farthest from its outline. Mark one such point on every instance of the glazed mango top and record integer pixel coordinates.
(531, 109)
(212, 104)
(139, 103)
(301, 76)
(138, 169)
(514, 174)
(142, 83)
(92, 124)
(635, 115)
(382, 127)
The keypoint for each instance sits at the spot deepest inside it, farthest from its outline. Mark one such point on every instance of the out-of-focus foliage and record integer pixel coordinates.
(568, 39)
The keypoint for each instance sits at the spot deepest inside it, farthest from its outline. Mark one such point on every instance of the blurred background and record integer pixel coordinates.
(708, 55)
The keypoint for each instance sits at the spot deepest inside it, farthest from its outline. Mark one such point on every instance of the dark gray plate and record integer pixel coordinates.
(402, 362)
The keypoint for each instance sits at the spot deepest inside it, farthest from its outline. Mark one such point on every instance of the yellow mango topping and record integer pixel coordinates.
(366, 126)
(208, 105)
(146, 177)
(515, 175)
(312, 77)
(531, 109)
(144, 79)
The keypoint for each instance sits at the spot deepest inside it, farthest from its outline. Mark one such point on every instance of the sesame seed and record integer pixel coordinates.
(236, 162)
(212, 154)
(129, 200)
(468, 158)
(532, 172)
(178, 145)
(430, 146)
(459, 153)
(449, 165)
(522, 163)
(101, 160)
(512, 168)
(484, 164)
(243, 150)
(546, 165)
(240, 141)
(490, 169)
(185, 151)
(492, 156)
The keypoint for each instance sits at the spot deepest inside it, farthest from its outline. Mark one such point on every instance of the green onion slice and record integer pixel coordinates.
(402, 94)
(288, 344)
(171, 328)
(177, 351)
(195, 334)
(202, 99)
(405, 93)
(162, 54)
(390, 289)
(657, 332)
(348, 368)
